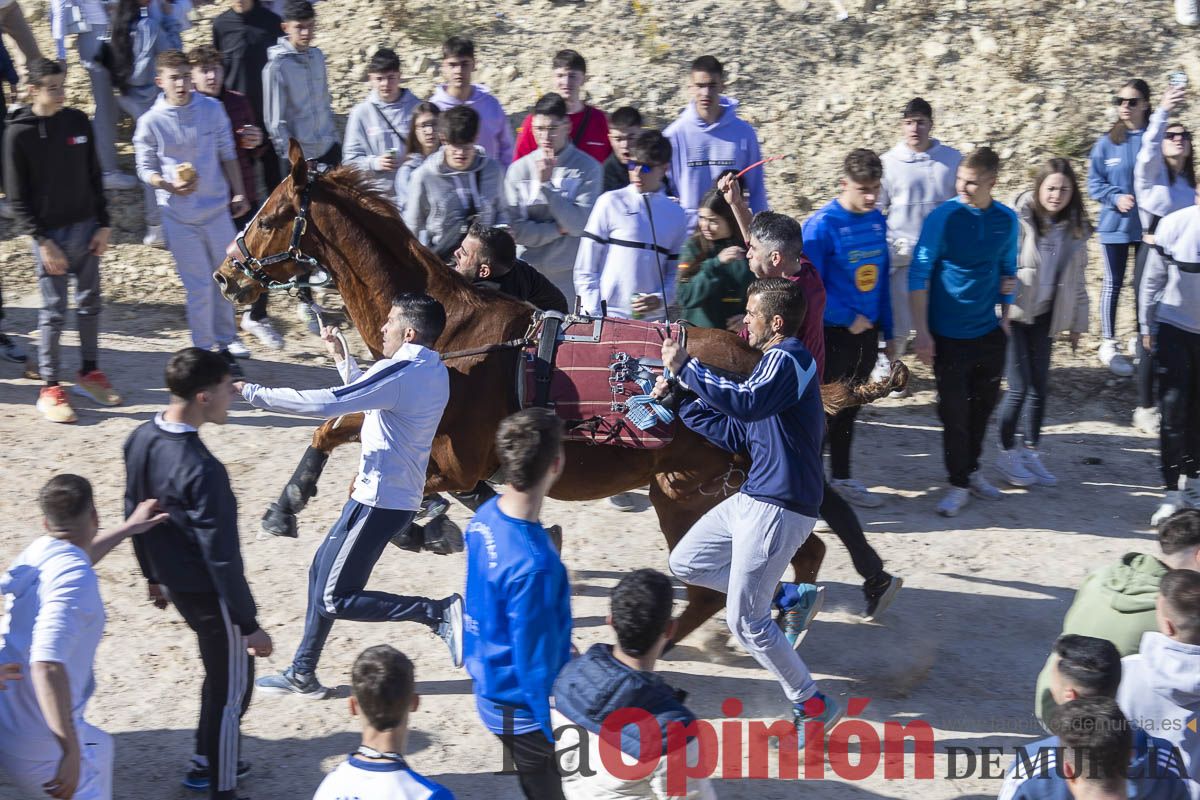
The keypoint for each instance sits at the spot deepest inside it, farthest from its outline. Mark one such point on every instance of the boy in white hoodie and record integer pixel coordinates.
(185, 152)
(1160, 685)
(378, 126)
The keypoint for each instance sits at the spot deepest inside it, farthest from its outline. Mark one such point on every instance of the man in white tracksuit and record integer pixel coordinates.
(550, 194)
(186, 127)
(378, 126)
(918, 176)
(630, 247)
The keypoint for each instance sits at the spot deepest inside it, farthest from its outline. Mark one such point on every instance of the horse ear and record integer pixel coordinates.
(299, 165)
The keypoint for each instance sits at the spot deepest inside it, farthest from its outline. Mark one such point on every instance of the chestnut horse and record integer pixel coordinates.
(358, 236)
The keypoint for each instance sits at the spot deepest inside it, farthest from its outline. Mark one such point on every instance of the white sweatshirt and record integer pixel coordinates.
(914, 184)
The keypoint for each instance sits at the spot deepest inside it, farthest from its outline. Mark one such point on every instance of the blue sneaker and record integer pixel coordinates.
(828, 712)
(197, 778)
(798, 606)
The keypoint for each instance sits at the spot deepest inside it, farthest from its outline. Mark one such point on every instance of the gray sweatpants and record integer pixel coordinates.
(198, 250)
(741, 547)
(73, 240)
(104, 122)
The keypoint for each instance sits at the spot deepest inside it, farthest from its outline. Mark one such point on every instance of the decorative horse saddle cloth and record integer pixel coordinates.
(596, 373)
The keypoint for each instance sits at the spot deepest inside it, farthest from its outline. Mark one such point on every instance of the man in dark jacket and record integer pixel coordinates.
(242, 35)
(54, 182)
(488, 257)
(608, 678)
(194, 559)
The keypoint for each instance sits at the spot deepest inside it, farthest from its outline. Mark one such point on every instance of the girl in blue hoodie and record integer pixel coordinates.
(1110, 183)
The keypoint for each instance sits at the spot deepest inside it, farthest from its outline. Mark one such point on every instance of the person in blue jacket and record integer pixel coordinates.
(964, 265)
(517, 614)
(1110, 183)
(846, 240)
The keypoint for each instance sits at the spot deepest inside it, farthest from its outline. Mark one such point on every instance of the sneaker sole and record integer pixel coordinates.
(885, 600)
(318, 695)
(455, 620)
(1012, 480)
(79, 391)
(985, 496)
(45, 416)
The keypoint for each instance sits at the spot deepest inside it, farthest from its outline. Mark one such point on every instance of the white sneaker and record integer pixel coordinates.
(1187, 12)
(853, 491)
(1033, 463)
(821, 526)
(1011, 466)
(1191, 492)
(953, 501)
(154, 237)
(1146, 419)
(882, 370)
(981, 488)
(1172, 502)
(264, 330)
(622, 502)
(119, 181)
(237, 349)
(1111, 357)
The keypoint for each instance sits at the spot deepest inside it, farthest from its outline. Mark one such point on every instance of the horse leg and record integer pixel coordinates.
(808, 559)
(280, 517)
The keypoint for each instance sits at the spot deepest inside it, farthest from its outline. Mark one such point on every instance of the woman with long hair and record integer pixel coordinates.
(1110, 182)
(1164, 181)
(713, 274)
(422, 142)
(1051, 298)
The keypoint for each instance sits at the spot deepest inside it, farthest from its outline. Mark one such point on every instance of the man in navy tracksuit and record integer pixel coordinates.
(517, 620)
(743, 545)
(403, 395)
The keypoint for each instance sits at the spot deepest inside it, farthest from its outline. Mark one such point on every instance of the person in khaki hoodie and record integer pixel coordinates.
(1117, 602)
(1051, 298)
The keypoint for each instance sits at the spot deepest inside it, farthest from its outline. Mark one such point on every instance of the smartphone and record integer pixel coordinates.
(1178, 80)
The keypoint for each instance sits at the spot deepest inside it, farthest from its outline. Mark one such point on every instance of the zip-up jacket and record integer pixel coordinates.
(1110, 175)
(296, 100)
(914, 184)
(198, 132)
(960, 258)
(700, 151)
(443, 201)
(713, 292)
(850, 252)
(776, 415)
(1157, 195)
(516, 620)
(197, 549)
(1170, 290)
(403, 397)
(1069, 311)
(591, 139)
(374, 128)
(538, 210)
(630, 246)
(243, 40)
(495, 134)
(52, 175)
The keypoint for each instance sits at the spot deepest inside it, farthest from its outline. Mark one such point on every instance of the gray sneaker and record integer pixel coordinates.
(450, 630)
(291, 682)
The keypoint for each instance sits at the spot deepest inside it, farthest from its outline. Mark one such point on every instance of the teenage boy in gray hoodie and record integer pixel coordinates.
(549, 194)
(456, 186)
(458, 65)
(185, 152)
(1160, 685)
(378, 126)
(296, 100)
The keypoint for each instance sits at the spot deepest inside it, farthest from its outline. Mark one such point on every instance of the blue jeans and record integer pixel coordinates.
(338, 577)
(1028, 370)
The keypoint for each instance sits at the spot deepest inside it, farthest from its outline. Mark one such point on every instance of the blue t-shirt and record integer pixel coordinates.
(960, 258)
(516, 620)
(851, 255)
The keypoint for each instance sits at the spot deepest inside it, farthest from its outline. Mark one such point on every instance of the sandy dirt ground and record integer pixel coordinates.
(960, 649)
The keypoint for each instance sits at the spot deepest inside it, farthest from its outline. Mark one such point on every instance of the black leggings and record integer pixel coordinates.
(1179, 392)
(1028, 370)
(1116, 258)
(849, 357)
(532, 755)
(845, 525)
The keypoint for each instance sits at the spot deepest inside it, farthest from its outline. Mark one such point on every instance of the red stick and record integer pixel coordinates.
(757, 164)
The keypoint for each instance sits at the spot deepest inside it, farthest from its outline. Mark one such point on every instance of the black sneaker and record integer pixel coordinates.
(11, 351)
(879, 595)
(197, 779)
(235, 369)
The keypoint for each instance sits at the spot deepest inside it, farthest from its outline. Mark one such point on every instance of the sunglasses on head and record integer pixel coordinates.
(1126, 101)
(637, 166)
(1182, 136)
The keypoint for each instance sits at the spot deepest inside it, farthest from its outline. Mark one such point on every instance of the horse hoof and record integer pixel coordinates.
(443, 537)
(410, 538)
(278, 522)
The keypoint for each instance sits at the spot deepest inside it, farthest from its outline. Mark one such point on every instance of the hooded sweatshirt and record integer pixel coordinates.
(495, 134)
(1110, 175)
(374, 128)
(198, 132)
(1160, 693)
(52, 175)
(914, 184)
(587, 691)
(1170, 290)
(443, 201)
(296, 100)
(701, 151)
(538, 211)
(1114, 603)
(1157, 195)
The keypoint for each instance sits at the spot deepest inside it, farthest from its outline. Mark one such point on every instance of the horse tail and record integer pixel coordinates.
(843, 394)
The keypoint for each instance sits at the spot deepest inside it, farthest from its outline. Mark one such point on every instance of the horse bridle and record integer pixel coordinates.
(253, 268)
